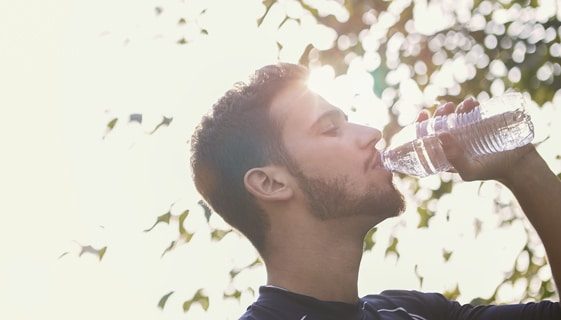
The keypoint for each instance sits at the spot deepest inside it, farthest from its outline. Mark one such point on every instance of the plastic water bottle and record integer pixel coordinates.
(497, 125)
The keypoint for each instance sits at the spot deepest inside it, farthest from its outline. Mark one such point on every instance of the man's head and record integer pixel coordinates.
(272, 142)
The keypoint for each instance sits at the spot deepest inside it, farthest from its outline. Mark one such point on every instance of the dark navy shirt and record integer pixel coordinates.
(279, 304)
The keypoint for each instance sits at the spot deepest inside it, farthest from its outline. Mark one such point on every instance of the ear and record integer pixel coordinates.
(268, 183)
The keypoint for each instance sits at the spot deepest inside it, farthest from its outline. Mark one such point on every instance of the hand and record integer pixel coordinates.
(498, 166)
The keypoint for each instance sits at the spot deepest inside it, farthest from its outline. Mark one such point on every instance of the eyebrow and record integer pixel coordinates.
(329, 114)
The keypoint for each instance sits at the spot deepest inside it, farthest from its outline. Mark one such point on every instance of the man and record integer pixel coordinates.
(287, 169)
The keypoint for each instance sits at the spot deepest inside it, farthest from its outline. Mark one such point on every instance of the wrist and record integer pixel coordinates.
(528, 169)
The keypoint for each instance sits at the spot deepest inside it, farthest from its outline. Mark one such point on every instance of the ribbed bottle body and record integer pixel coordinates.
(498, 133)
(480, 132)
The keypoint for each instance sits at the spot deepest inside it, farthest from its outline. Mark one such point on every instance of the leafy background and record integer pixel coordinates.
(100, 100)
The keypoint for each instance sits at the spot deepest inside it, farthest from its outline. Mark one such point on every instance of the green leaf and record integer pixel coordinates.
(199, 298)
(392, 247)
(234, 295)
(446, 254)
(250, 290)
(187, 305)
(101, 252)
(379, 76)
(164, 299)
(110, 126)
(91, 250)
(182, 218)
(186, 237)
(112, 123)
(482, 301)
(183, 238)
(369, 240)
(166, 121)
(268, 4)
(203, 301)
(234, 272)
(445, 188)
(169, 248)
(424, 217)
(218, 234)
(164, 218)
(452, 294)
(255, 263)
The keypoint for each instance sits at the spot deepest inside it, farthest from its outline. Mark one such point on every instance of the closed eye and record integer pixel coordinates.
(332, 131)
(331, 121)
(334, 125)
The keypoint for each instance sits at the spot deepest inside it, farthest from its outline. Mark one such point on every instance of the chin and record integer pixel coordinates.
(390, 203)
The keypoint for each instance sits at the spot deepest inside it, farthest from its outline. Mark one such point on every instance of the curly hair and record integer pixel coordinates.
(239, 134)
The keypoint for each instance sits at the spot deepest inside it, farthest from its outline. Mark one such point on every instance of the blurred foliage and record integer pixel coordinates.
(87, 249)
(235, 272)
(183, 237)
(137, 117)
(369, 241)
(199, 297)
(475, 48)
(164, 299)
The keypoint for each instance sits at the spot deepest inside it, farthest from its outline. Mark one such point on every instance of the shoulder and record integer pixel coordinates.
(437, 306)
(247, 316)
(262, 311)
(414, 303)
(257, 313)
(413, 298)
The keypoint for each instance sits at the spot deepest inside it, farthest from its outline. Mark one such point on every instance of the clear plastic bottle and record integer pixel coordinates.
(496, 125)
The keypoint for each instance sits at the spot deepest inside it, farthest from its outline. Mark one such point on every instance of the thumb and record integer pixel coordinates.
(454, 152)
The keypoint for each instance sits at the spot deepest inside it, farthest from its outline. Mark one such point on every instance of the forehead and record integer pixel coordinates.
(296, 107)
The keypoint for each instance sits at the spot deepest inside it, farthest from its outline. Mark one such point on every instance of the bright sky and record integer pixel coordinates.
(68, 67)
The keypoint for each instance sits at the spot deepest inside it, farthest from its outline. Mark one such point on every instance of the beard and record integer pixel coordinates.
(329, 199)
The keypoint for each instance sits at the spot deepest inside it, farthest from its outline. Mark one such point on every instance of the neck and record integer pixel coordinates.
(321, 262)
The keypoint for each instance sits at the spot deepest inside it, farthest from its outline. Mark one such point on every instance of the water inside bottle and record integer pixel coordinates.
(420, 157)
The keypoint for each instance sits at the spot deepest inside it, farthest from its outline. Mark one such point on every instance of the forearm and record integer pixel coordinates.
(538, 190)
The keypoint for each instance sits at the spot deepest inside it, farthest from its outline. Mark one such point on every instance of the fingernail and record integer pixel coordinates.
(443, 107)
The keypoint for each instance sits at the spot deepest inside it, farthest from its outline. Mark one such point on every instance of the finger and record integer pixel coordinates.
(444, 109)
(423, 115)
(467, 105)
(454, 152)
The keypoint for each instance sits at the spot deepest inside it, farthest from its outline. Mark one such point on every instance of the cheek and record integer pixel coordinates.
(322, 157)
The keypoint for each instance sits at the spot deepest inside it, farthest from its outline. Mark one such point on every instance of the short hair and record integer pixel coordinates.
(237, 135)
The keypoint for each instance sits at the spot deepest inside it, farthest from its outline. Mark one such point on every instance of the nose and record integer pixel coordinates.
(367, 137)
